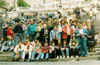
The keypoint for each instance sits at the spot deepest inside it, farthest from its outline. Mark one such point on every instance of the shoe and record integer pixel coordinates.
(67, 56)
(76, 56)
(71, 56)
(60, 56)
(11, 60)
(28, 60)
(23, 60)
(63, 56)
(57, 57)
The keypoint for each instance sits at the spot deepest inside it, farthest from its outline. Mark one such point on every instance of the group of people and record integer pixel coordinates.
(48, 36)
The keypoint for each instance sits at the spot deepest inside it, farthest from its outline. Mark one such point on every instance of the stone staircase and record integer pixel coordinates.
(6, 56)
(97, 23)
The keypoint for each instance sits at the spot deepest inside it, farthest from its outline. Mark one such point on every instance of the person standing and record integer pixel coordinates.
(81, 35)
(31, 30)
(55, 35)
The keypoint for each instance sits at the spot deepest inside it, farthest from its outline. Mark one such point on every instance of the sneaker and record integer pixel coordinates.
(28, 60)
(63, 56)
(76, 56)
(57, 57)
(67, 56)
(71, 56)
(60, 56)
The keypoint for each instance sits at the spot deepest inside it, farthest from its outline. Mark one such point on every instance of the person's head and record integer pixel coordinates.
(45, 26)
(46, 44)
(73, 35)
(35, 40)
(64, 42)
(55, 20)
(2, 39)
(28, 43)
(59, 24)
(55, 28)
(32, 21)
(66, 24)
(19, 42)
(10, 26)
(62, 22)
(73, 43)
(80, 26)
(53, 44)
(59, 42)
(70, 21)
(38, 42)
(84, 24)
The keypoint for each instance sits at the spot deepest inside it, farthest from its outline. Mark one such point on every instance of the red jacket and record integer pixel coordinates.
(43, 49)
(64, 29)
(9, 32)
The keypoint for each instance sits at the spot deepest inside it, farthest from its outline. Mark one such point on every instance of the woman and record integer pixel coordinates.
(91, 42)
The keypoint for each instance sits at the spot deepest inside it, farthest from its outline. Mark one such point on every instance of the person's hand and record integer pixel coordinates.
(44, 51)
(37, 51)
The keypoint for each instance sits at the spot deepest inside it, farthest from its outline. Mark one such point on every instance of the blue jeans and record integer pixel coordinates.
(21, 54)
(67, 52)
(33, 55)
(8, 49)
(42, 55)
(32, 36)
(83, 47)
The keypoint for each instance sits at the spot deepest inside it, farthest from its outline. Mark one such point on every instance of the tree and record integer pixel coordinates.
(3, 3)
(22, 3)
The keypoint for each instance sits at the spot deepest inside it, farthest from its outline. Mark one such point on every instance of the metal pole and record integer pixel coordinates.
(60, 4)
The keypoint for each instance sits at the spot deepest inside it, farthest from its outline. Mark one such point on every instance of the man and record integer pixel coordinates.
(67, 32)
(18, 30)
(55, 35)
(44, 34)
(81, 35)
(31, 30)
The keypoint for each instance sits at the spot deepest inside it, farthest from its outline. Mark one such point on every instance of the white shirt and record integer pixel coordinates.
(30, 48)
(68, 30)
(81, 31)
(17, 49)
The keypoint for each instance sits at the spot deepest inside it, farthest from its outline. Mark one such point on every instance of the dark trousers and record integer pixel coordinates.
(53, 54)
(74, 52)
(58, 52)
(68, 38)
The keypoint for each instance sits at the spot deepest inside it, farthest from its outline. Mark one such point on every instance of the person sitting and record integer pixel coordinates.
(27, 51)
(18, 52)
(65, 49)
(2, 44)
(52, 51)
(9, 46)
(74, 48)
(58, 50)
(45, 51)
(36, 50)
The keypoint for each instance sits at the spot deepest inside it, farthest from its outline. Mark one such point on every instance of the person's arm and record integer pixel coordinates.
(47, 49)
(51, 35)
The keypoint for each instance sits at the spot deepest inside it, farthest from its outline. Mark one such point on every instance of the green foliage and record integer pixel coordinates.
(2, 3)
(22, 3)
(86, 0)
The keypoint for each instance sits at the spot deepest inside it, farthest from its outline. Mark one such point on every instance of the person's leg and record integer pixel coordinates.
(42, 56)
(62, 52)
(30, 53)
(33, 55)
(23, 57)
(39, 55)
(13, 55)
(67, 52)
(11, 49)
(2, 48)
(71, 52)
(47, 55)
(30, 37)
(5, 49)
(81, 47)
(85, 47)
(76, 51)
(21, 54)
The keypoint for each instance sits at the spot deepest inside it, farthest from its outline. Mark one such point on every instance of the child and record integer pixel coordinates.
(74, 48)
(58, 50)
(36, 50)
(18, 51)
(27, 50)
(65, 48)
(52, 50)
(45, 51)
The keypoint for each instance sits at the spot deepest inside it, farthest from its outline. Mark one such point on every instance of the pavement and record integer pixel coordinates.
(53, 63)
